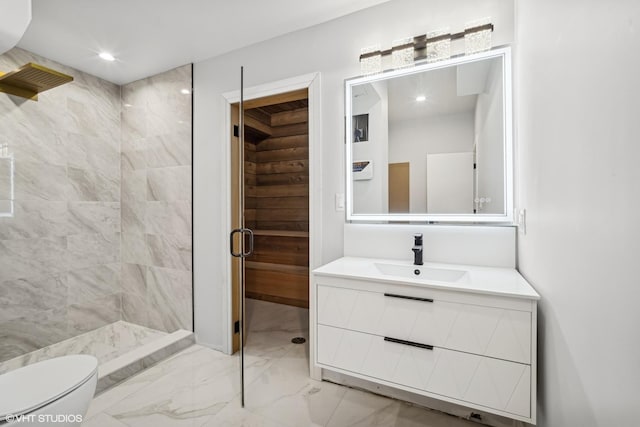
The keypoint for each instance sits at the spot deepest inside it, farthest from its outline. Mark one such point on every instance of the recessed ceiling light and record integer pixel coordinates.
(185, 91)
(107, 56)
(421, 98)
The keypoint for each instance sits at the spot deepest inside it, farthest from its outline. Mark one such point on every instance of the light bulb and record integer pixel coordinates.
(107, 56)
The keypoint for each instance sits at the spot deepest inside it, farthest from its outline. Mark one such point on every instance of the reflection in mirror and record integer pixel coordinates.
(431, 141)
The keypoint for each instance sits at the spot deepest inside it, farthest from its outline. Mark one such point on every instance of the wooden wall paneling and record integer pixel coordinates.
(277, 189)
(300, 214)
(250, 167)
(285, 166)
(283, 233)
(283, 142)
(250, 179)
(282, 225)
(272, 283)
(300, 115)
(256, 125)
(259, 115)
(289, 130)
(288, 250)
(301, 202)
(289, 190)
(282, 179)
(295, 153)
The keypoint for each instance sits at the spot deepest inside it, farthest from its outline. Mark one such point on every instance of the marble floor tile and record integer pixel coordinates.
(270, 327)
(102, 420)
(123, 390)
(233, 415)
(286, 394)
(199, 387)
(359, 408)
(187, 396)
(362, 409)
(270, 317)
(414, 416)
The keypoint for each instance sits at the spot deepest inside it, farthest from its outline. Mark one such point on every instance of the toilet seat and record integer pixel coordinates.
(27, 389)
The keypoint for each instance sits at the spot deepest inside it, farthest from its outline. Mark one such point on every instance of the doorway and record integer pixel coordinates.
(399, 187)
(276, 208)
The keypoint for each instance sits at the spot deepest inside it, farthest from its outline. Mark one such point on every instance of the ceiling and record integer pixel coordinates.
(151, 36)
(438, 86)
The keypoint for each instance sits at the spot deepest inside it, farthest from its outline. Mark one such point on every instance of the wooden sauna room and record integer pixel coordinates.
(276, 175)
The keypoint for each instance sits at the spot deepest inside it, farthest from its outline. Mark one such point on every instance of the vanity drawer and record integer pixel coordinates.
(487, 331)
(478, 380)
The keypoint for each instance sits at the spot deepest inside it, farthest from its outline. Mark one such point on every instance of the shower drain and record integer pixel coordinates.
(298, 340)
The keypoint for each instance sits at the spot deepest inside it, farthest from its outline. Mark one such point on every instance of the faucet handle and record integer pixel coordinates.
(417, 239)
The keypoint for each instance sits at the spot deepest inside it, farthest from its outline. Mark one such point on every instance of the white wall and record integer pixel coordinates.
(578, 103)
(452, 244)
(412, 139)
(372, 195)
(332, 49)
(489, 134)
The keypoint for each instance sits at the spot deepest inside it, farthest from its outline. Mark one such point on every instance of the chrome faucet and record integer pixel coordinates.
(417, 249)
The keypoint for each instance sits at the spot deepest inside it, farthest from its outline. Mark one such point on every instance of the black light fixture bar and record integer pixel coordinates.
(420, 42)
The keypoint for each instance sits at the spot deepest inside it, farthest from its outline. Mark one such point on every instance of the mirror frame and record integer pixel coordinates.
(505, 218)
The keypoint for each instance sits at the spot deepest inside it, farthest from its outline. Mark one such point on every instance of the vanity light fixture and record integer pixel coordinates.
(370, 60)
(402, 53)
(438, 45)
(434, 46)
(477, 36)
(185, 91)
(107, 56)
(421, 98)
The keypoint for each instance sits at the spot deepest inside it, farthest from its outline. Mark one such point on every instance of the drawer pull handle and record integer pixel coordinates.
(406, 297)
(411, 343)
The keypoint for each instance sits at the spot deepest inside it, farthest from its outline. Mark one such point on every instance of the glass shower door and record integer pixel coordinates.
(240, 238)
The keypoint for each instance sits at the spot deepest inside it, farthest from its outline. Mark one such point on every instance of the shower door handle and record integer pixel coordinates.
(235, 254)
(242, 232)
(250, 233)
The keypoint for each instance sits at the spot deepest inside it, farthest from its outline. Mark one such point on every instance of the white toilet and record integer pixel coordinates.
(52, 392)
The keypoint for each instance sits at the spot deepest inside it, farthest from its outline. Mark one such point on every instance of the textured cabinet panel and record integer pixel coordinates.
(487, 331)
(469, 378)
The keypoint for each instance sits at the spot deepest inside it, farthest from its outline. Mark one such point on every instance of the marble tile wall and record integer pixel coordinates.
(101, 223)
(156, 201)
(60, 263)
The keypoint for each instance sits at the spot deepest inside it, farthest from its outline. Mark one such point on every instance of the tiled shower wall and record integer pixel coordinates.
(156, 201)
(60, 251)
(73, 257)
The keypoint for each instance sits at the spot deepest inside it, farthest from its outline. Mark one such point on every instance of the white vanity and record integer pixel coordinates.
(437, 142)
(460, 333)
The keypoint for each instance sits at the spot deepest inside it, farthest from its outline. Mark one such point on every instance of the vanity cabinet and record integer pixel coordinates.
(469, 348)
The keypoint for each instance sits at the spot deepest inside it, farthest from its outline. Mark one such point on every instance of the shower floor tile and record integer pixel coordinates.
(105, 343)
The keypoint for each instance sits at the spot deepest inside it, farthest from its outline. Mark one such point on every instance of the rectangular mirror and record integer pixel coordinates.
(432, 142)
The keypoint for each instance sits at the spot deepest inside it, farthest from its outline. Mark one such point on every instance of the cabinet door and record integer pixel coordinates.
(478, 380)
(487, 331)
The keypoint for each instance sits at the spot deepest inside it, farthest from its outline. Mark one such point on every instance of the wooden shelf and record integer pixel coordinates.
(283, 268)
(281, 233)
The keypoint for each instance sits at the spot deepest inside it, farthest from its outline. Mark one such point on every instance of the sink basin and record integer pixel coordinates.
(420, 272)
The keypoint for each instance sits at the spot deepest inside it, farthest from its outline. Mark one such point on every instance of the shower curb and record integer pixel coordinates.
(122, 367)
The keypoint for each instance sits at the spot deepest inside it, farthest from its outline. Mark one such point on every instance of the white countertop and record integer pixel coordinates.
(482, 280)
